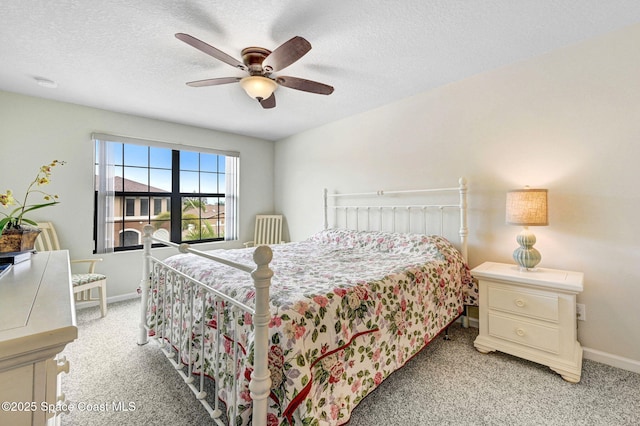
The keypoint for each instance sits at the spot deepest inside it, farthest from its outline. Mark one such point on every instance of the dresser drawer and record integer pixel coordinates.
(522, 302)
(525, 333)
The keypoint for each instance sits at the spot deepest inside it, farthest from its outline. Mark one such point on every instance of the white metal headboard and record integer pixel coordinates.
(380, 216)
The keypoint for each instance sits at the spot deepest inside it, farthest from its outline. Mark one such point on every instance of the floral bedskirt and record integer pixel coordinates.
(347, 309)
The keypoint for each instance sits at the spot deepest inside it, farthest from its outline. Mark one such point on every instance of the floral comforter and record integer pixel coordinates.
(348, 308)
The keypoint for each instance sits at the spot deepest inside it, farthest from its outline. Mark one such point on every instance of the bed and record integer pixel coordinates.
(299, 333)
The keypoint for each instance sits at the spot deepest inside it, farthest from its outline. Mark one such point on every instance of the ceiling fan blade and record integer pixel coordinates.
(270, 102)
(210, 50)
(286, 54)
(214, 81)
(305, 85)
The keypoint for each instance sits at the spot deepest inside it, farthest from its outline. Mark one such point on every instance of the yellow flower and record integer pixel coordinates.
(7, 199)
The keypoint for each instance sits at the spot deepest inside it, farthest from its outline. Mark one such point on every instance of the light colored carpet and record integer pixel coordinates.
(448, 383)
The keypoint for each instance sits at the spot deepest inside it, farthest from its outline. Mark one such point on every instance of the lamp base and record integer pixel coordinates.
(526, 256)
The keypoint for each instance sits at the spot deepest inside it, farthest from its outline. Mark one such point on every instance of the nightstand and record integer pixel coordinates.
(531, 315)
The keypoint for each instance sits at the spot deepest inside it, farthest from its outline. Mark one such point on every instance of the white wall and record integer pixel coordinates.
(34, 131)
(568, 121)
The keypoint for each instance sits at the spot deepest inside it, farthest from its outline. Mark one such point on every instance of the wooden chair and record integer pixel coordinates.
(83, 283)
(268, 230)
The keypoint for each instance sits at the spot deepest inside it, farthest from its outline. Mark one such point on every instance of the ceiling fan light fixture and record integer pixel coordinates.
(258, 87)
(260, 63)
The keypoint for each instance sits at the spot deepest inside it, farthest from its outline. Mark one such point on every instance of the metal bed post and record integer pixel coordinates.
(464, 231)
(145, 284)
(260, 383)
(326, 212)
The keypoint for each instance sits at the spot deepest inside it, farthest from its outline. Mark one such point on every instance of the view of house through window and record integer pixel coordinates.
(181, 193)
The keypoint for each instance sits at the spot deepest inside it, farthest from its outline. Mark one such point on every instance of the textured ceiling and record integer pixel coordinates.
(121, 55)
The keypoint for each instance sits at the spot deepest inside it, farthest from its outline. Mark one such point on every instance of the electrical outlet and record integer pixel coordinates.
(581, 312)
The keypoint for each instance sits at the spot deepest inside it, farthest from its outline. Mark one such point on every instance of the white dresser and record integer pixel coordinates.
(530, 314)
(37, 320)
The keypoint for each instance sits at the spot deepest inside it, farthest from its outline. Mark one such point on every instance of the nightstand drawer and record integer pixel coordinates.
(521, 302)
(525, 333)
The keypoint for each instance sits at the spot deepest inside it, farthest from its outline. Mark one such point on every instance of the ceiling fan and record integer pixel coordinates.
(261, 63)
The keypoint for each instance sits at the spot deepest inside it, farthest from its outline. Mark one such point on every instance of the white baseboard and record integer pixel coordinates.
(112, 299)
(473, 322)
(611, 359)
(122, 297)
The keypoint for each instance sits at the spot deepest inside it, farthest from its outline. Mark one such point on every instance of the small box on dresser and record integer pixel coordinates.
(531, 315)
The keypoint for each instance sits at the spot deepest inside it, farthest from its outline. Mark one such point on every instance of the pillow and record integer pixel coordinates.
(381, 241)
(337, 237)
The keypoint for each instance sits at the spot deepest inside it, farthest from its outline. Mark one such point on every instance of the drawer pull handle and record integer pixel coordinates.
(520, 332)
(520, 303)
(62, 365)
(63, 404)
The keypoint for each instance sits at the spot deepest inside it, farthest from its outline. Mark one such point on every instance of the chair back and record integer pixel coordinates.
(268, 229)
(48, 239)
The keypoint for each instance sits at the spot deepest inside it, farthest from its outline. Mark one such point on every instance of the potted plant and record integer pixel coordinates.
(17, 233)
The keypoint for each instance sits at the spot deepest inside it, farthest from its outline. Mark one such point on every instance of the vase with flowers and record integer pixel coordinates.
(18, 233)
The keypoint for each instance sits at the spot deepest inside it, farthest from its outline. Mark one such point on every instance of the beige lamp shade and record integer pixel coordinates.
(527, 207)
(258, 87)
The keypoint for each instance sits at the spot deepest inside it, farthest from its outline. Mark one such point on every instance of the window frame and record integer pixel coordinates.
(174, 197)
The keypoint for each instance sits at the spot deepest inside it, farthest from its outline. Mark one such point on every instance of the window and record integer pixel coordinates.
(144, 206)
(193, 192)
(157, 206)
(130, 237)
(130, 207)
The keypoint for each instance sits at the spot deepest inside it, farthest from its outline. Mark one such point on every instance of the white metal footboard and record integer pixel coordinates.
(162, 283)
